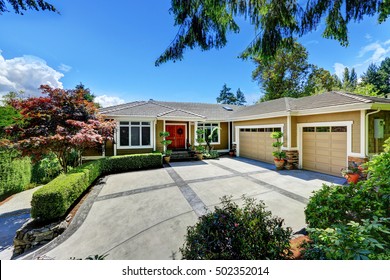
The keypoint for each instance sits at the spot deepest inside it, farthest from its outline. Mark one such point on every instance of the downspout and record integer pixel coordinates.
(368, 114)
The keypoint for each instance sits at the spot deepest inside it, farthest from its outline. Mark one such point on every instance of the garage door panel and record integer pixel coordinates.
(256, 145)
(324, 151)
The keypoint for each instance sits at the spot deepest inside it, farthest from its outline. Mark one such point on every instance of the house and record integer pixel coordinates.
(323, 132)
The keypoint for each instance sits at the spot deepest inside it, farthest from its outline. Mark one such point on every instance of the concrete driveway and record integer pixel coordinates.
(144, 214)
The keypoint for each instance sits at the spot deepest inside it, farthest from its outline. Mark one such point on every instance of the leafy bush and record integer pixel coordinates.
(126, 163)
(211, 154)
(231, 232)
(54, 199)
(367, 240)
(15, 172)
(46, 169)
(341, 204)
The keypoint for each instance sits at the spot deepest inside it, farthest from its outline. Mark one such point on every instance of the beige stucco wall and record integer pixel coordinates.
(224, 134)
(159, 128)
(277, 120)
(334, 117)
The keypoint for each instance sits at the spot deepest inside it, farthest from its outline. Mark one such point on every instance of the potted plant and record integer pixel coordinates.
(200, 147)
(165, 143)
(351, 173)
(278, 154)
(232, 152)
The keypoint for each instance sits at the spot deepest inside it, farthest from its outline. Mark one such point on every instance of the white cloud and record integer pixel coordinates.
(26, 74)
(64, 67)
(378, 52)
(339, 69)
(368, 37)
(107, 101)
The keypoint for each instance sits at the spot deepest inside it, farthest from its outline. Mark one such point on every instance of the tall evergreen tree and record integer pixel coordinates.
(353, 79)
(384, 76)
(226, 96)
(346, 79)
(240, 97)
(371, 76)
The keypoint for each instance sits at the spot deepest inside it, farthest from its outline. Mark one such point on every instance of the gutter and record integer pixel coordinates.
(368, 114)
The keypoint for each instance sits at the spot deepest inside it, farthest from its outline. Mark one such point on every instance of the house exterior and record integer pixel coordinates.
(322, 133)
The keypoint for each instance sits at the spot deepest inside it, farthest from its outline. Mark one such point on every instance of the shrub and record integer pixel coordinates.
(15, 172)
(46, 169)
(54, 199)
(365, 240)
(126, 163)
(237, 233)
(341, 204)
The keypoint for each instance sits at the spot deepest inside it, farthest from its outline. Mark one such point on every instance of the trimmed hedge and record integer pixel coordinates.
(15, 173)
(54, 199)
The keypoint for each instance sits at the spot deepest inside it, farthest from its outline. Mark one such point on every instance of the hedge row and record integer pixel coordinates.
(15, 173)
(54, 199)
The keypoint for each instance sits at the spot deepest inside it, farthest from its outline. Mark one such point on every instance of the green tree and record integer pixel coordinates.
(320, 80)
(240, 98)
(346, 81)
(371, 76)
(353, 79)
(286, 75)
(22, 5)
(366, 89)
(384, 76)
(226, 96)
(205, 23)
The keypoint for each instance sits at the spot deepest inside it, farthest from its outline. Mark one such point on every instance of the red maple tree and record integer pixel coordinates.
(60, 121)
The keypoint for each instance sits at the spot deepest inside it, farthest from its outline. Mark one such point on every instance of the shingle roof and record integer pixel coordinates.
(163, 109)
(205, 111)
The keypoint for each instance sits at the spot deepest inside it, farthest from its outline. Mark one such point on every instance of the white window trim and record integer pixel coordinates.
(219, 132)
(237, 132)
(185, 124)
(152, 136)
(348, 124)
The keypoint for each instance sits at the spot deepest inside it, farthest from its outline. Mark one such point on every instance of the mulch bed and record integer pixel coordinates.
(295, 244)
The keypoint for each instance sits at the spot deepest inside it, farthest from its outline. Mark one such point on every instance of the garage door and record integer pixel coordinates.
(324, 149)
(256, 143)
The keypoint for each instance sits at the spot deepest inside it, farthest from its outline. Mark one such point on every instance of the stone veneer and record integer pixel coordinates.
(292, 159)
(30, 236)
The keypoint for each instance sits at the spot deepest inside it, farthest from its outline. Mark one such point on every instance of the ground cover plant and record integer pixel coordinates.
(237, 233)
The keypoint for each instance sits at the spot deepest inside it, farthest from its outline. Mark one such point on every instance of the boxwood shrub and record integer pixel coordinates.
(54, 199)
(15, 172)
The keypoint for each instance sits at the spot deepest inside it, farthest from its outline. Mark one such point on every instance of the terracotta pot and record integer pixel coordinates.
(279, 163)
(352, 177)
(167, 159)
(199, 156)
(231, 154)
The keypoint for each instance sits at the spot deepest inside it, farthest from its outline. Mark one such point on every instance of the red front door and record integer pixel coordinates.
(177, 136)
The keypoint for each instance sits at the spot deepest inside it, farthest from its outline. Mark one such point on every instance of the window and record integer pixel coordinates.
(309, 129)
(134, 134)
(323, 129)
(208, 128)
(339, 129)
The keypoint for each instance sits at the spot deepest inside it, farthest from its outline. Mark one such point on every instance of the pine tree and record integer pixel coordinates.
(240, 98)
(353, 79)
(226, 96)
(346, 79)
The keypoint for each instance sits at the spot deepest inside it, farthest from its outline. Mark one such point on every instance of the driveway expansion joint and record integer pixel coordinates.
(281, 191)
(192, 198)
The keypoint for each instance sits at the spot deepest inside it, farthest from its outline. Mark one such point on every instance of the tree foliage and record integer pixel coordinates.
(60, 121)
(320, 80)
(286, 75)
(19, 6)
(206, 23)
(226, 96)
(378, 76)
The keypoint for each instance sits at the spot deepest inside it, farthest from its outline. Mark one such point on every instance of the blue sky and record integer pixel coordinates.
(111, 48)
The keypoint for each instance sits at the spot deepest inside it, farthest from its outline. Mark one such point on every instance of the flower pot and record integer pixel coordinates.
(199, 156)
(231, 154)
(352, 177)
(167, 159)
(279, 163)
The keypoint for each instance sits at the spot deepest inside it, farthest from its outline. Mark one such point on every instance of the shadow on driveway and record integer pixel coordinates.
(9, 223)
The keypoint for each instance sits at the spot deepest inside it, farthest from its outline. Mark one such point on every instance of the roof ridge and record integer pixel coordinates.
(353, 96)
(174, 109)
(192, 113)
(166, 112)
(130, 105)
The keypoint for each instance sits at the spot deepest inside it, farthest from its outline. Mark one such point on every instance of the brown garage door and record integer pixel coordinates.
(324, 149)
(256, 143)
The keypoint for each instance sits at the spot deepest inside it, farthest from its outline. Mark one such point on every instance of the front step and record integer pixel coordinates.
(182, 155)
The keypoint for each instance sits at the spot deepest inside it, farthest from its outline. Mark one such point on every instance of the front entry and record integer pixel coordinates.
(177, 136)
